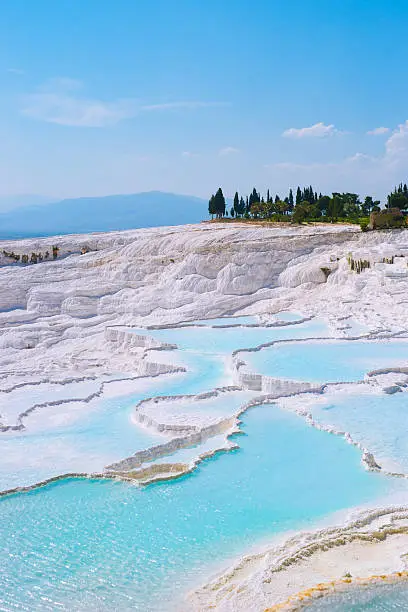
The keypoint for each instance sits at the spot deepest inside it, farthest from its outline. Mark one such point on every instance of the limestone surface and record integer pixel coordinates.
(60, 320)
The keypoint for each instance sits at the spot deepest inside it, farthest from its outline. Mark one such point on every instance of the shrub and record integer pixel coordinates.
(387, 219)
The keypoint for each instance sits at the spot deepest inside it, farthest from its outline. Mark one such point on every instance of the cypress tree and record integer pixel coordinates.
(290, 199)
(211, 206)
(254, 197)
(219, 202)
(242, 206)
(299, 197)
(236, 203)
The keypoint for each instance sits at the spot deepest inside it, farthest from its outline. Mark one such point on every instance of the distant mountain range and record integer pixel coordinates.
(8, 203)
(102, 214)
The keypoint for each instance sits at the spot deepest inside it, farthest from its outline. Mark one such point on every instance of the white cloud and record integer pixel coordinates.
(346, 165)
(60, 101)
(396, 146)
(65, 110)
(375, 175)
(378, 131)
(228, 151)
(360, 158)
(189, 154)
(318, 130)
(15, 71)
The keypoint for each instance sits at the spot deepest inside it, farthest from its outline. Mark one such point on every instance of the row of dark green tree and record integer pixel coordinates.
(398, 198)
(306, 205)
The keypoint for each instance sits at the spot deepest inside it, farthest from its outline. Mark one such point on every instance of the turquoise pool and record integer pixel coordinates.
(102, 434)
(377, 421)
(334, 361)
(100, 545)
(226, 340)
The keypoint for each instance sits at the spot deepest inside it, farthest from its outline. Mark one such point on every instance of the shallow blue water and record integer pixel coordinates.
(104, 433)
(378, 422)
(98, 545)
(226, 340)
(335, 361)
(111, 546)
(378, 598)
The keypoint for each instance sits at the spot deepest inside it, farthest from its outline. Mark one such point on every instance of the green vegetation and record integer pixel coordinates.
(386, 219)
(398, 198)
(307, 206)
(216, 205)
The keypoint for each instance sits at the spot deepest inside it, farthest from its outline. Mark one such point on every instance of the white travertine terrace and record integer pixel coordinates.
(372, 544)
(66, 324)
(54, 315)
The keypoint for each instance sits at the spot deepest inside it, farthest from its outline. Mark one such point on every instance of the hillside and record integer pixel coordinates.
(101, 214)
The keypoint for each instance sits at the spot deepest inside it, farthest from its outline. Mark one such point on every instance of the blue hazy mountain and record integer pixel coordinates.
(102, 214)
(8, 203)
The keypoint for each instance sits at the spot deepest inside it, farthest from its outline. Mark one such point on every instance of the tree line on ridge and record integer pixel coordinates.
(305, 205)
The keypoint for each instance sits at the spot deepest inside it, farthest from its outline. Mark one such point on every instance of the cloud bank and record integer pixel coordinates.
(60, 101)
(318, 130)
(365, 174)
(227, 151)
(378, 131)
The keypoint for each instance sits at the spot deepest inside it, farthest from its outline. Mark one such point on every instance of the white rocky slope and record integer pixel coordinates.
(63, 323)
(54, 315)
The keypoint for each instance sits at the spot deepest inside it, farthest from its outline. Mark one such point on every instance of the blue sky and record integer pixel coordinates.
(102, 97)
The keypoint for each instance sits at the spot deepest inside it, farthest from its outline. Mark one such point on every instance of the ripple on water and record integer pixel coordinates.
(105, 545)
